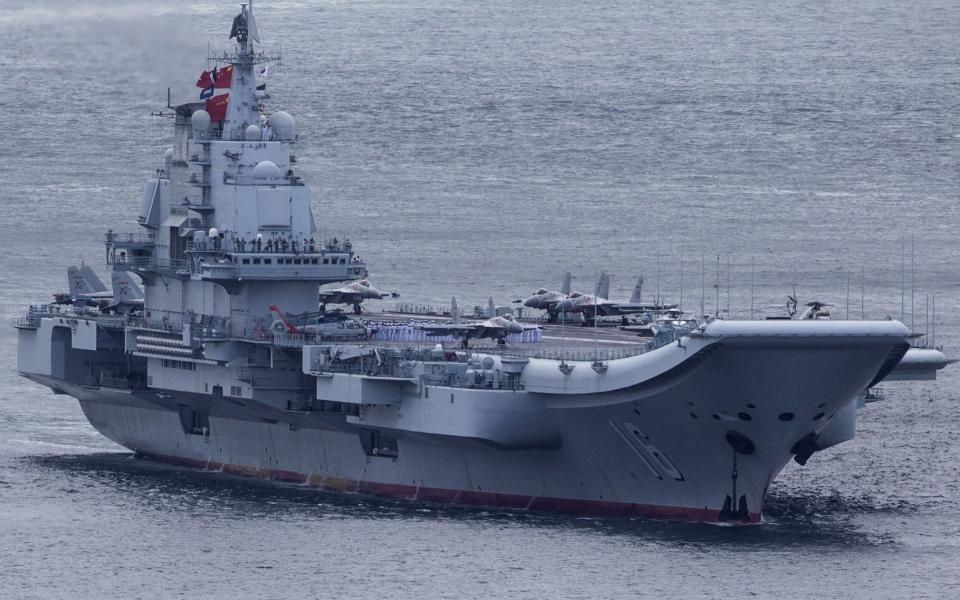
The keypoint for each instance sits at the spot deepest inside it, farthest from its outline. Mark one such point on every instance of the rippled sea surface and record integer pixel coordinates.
(483, 148)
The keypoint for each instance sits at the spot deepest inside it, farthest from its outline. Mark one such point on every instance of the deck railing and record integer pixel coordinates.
(150, 262)
(114, 237)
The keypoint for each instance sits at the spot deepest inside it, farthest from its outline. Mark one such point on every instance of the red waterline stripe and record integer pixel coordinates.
(462, 497)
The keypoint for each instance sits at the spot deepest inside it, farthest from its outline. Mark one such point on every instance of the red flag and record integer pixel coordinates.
(205, 81)
(217, 107)
(223, 77)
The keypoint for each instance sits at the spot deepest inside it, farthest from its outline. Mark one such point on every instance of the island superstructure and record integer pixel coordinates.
(228, 363)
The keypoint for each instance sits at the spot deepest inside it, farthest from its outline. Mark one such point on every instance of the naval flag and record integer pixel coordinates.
(213, 79)
(223, 77)
(206, 79)
(263, 77)
(217, 107)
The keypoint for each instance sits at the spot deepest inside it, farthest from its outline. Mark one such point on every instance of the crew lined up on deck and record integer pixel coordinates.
(282, 245)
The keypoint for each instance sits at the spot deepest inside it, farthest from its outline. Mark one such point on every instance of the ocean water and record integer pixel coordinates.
(484, 148)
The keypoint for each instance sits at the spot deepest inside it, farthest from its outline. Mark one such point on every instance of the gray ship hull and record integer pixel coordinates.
(575, 480)
(659, 451)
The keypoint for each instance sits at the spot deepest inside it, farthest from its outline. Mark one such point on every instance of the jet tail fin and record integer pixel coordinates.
(454, 310)
(567, 280)
(84, 281)
(603, 286)
(637, 291)
(91, 279)
(125, 289)
(74, 280)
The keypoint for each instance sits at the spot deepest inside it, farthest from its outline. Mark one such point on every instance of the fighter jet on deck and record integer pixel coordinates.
(497, 328)
(87, 289)
(127, 295)
(353, 294)
(548, 300)
(85, 286)
(597, 304)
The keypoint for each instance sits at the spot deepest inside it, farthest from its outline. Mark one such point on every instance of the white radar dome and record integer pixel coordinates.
(266, 170)
(283, 125)
(213, 232)
(252, 133)
(168, 161)
(200, 122)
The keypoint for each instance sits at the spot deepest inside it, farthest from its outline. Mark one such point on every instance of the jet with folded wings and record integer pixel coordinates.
(353, 294)
(496, 328)
(592, 305)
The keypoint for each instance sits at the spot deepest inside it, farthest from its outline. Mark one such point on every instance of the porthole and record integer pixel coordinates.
(716, 416)
(751, 406)
(786, 416)
(818, 416)
(745, 416)
(693, 415)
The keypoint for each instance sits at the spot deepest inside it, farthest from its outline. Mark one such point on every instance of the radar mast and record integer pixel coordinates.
(244, 105)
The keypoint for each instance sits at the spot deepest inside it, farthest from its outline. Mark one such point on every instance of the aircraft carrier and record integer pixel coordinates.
(224, 360)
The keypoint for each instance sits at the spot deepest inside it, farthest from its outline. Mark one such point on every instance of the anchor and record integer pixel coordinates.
(740, 444)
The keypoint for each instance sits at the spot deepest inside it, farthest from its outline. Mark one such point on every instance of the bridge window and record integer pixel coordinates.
(326, 261)
(256, 261)
(268, 261)
(246, 261)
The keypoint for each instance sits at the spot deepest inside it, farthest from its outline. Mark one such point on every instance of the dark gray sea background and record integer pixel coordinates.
(483, 148)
